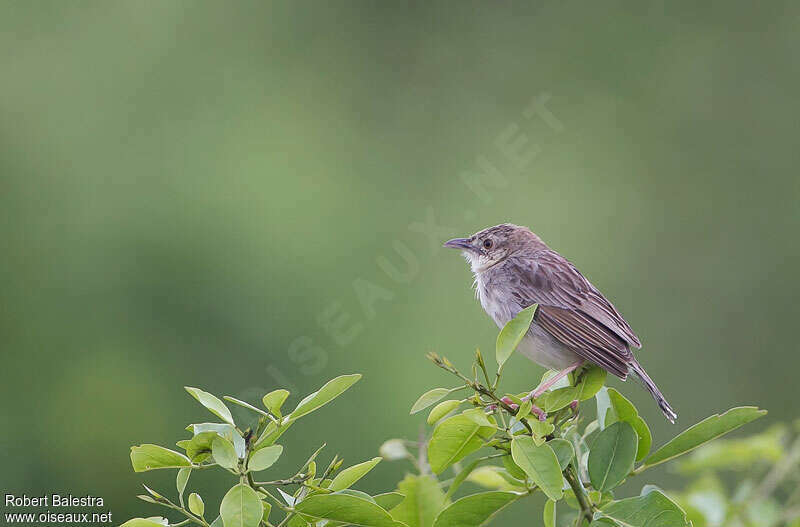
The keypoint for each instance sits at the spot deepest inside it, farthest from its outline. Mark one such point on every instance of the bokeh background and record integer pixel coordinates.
(211, 194)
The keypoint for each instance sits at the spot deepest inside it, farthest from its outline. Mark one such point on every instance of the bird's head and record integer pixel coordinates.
(488, 247)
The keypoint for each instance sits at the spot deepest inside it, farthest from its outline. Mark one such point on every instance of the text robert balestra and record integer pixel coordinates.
(53, 500)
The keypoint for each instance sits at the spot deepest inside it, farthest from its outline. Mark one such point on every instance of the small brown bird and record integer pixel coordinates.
(574, 322)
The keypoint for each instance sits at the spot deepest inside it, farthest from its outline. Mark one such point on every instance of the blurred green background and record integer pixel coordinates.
(210, 194)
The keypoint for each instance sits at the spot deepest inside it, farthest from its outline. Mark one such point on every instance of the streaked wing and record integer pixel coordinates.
(573, 310)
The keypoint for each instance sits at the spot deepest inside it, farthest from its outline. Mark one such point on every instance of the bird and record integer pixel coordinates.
(573, 323)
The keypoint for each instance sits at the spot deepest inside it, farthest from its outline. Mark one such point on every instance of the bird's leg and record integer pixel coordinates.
(552, 380)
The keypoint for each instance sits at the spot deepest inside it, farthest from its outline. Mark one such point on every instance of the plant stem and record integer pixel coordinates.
(580, 495)
(478, 387)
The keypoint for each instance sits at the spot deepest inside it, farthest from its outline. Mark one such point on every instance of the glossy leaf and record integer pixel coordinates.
(513, 469)
(181, 479)
(512, 333)
(559, 398)
(591, 381)
(495, 478)
(389, 500)
(196, 504)
(461, 477)
(331, 390)
(474, 510)
(212, 403)
(442, 409)
(150, 457)
(653, 509)
(267, 509)
(703, 432)
(424, 499)
(541, 429)
(603, 405)
(428, 398)
(540, 464)
(453, 439)
(274, 400)
(273, 432)
(224, 453)
(223, 430)
(141, 522)
(478, 416)
(623, 410)
(524, 409)
(549, 515)
(345, 508)
(564, 451)
(612, 456)
(737, 454)
(350, 475)
(264, 458)
(241, 507)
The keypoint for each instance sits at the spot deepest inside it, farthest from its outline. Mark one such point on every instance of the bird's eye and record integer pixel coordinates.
(487, 244)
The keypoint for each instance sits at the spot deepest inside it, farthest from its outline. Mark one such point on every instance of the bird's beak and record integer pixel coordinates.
(458, 243)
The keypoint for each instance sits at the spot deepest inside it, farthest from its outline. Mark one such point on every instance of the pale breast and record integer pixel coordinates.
(500, 304)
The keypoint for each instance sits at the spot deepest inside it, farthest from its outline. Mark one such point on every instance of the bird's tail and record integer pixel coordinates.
(651, 387)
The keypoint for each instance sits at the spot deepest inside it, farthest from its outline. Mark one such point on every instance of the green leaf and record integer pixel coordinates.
(540, 464)
(389, 500)
(591, 381)
(350, 475)
(474, 510)
(513, 468)
(703, 432)
(453, 439)
(150, 457)
(603, 405)
(274, 400)
(214, 405)
(245, 404)
(196, 504)
(272, 433)
(223, 430)
(549, 516)
(559, 398)
(224, 453)
(241, 507)
(623, 410)
(737, 454)
(541, 429)
(267, 509)
(645, 437)
(442, 409)
(495, 478)
(461, 477)
(264, 458)
(181, 480)
(345, 508)
(478, 416)
(141, 522)
(524, 409)
(330, 391)
(424, 500)
(612, 455)
(564, 451)
(428, 398)
(512, 333)
(653, 509)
